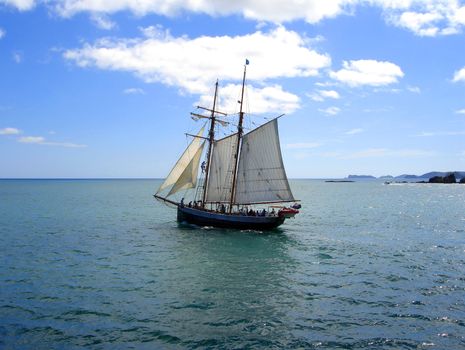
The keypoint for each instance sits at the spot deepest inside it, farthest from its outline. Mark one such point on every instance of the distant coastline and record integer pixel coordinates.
(458, 174)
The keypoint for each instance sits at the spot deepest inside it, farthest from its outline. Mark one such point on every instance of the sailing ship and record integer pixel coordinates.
(244, 184)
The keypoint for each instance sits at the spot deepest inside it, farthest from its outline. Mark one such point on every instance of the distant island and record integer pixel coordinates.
(360, 177)
(431, 177)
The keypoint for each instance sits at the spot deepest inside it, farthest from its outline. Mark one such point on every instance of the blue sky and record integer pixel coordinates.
(104, 89)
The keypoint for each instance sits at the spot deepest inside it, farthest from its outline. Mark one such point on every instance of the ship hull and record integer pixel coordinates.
(207, 218)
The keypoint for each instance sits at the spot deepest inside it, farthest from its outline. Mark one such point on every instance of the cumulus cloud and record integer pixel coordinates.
(9, 131)
(312, 11)
(428, 17)
(257, 100)
(21, 5)
(321, 95)
(460, 111)
(459, 75)
(422, 24)
(422, 17)
(194, 64)
(330, 110)
(2, 33)
(367, 72)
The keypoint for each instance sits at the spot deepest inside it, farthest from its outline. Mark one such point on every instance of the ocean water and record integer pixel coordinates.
(98, 264)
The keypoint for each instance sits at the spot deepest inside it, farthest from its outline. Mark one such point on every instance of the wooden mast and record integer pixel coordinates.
(211, 139)
(239, 137)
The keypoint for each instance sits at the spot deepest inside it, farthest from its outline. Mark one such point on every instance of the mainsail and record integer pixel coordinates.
(221, 168)
(184, 173)
(261, 176)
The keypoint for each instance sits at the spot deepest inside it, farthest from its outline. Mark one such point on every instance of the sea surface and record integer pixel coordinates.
(98, 264)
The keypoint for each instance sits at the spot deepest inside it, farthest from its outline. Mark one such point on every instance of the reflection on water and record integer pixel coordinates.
(100, 264)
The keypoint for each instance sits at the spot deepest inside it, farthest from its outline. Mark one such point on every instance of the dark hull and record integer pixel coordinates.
(205, 218)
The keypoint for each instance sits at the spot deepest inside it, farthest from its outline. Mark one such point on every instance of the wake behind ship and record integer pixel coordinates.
(243, 182)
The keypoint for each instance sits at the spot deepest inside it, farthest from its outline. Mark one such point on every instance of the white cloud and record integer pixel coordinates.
(21, 5)
(321, 95)
(312, 11)
(134, 91)
(460, 111)
(258, 100)
(368, 72)
(9, 131)
(459, 75)
(2, 33)
(423, 24)
(354, 131)
(102, 21)
(428, 17)
(40, 140)
(303, 145)
(329, 94)
(330, 110)
(194, 64)
(422, 17)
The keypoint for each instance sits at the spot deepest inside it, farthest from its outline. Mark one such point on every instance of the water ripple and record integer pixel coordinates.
(99, 265)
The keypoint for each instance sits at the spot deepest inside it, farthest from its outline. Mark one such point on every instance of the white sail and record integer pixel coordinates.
(221, 170)
(188, 178)
(261, 176)
(183, 161)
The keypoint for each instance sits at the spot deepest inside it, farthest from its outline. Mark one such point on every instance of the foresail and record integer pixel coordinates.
(183, 161)
(261, 176)
(221, 169)
(188, 178)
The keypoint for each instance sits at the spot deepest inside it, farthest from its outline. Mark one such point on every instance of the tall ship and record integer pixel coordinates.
(242, 182)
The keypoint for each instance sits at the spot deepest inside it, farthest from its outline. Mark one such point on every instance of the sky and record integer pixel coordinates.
(105, 88)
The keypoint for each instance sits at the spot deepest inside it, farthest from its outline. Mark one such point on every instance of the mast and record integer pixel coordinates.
(211, 139)
(239, 137)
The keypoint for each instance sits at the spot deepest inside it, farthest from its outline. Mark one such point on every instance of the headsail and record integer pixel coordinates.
(188, 178)
(261, 176)
(222, 165)
(178, 174)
